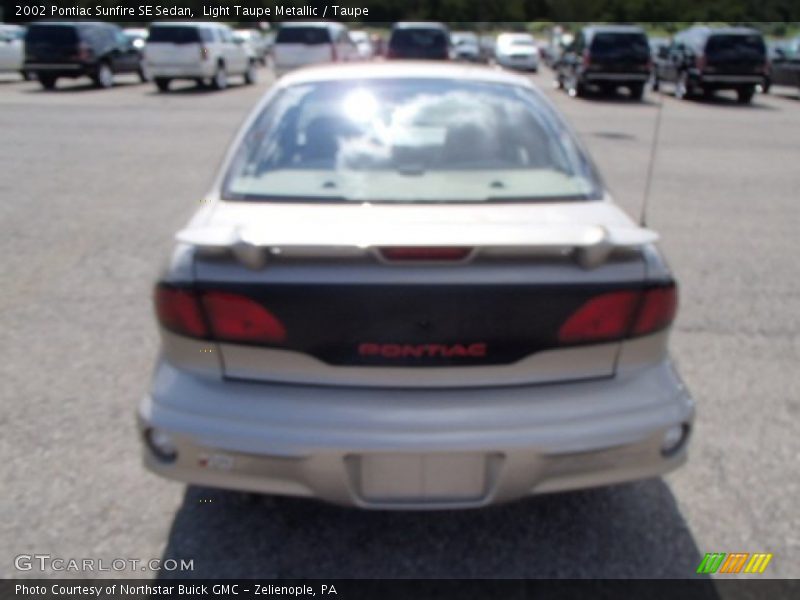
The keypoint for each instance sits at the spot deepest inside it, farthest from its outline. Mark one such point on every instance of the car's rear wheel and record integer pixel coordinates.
(636, 91)
(745, 95)
(162, 84)
(250, 75)
(220, 79)
(48, 82)
(104, 76)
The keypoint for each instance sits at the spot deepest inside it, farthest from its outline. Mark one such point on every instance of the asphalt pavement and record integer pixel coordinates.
(94, 183)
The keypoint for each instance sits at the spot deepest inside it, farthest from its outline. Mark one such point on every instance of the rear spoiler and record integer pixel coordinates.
(590, 245)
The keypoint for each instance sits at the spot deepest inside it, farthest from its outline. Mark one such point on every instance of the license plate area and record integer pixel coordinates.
(415, 478)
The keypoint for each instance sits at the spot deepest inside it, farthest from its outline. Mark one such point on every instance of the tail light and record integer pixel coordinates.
(179, 311)
(203, 53)
(235, 318)
(656, 311)
(220, 316)
(423, 253)
(617, 315)
(700, 62)
(587, 58)
(334, 55)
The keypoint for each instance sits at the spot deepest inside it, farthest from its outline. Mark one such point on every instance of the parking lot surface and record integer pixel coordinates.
(94, 184)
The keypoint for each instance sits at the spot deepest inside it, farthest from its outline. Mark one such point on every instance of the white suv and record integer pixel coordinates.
(304, 43)
(203, 52)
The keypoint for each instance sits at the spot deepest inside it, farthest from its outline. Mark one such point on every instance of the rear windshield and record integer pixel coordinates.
(418, 38)
(175, 34)
(736, 45)
(303, 35)
(460, 38)
(619, 44)
(408, 140)
(61, 35)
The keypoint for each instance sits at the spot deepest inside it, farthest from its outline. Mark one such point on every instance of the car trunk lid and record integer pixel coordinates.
(302, 45)
(735, 54)
(172, 45)
(414, 296)
(52, 44)
(619, 52)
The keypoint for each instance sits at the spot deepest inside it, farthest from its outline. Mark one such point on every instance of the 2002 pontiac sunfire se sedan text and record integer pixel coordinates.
(409, 288)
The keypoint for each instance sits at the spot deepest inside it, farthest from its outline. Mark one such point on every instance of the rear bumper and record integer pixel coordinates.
(592, 77)
(188, 71)
(327, 442)
(527, 62)
(59, 69)
(732, 80)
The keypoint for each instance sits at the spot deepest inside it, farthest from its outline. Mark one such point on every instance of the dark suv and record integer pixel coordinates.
(96, 50)
(420, 41)
(606, 57)
(702, 60)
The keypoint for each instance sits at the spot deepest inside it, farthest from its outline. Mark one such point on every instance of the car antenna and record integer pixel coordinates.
(653, 154)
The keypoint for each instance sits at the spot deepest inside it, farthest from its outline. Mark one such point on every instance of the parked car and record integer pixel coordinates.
(304, 43)
(12, 50)
(517, 51)
(255, 42)
(703, 60)
(363, 44)
(605, 57)
(205, 53)
(466, 46)
(420, 41)
(785, 65)
(493, 326)
(80, 49)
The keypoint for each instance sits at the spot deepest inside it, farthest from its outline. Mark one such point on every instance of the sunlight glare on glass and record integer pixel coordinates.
(360, 105)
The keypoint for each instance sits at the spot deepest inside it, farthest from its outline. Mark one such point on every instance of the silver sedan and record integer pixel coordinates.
(408, 288)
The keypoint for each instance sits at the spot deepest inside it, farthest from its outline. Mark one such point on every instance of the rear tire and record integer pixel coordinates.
(104, 76)
(220, 79)
(636, 91)
(745, 95)
(162, 84)
(250, 75)
(48, 82)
